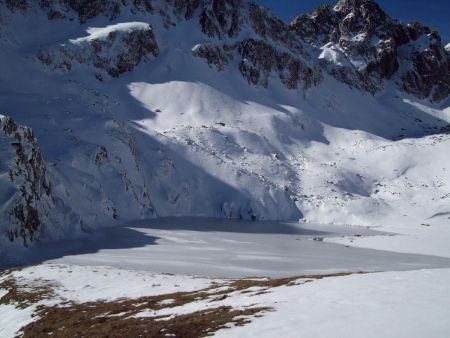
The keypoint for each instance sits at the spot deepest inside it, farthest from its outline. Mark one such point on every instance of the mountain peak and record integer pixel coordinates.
(355, 4)
(364, 8)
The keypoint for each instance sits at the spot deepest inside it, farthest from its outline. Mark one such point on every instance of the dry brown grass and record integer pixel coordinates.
(83, 320)
(20, 295)
(117, 318)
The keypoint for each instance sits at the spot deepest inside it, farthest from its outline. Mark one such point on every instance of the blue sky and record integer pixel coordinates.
(433, 13)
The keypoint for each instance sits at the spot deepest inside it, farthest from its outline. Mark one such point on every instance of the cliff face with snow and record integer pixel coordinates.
(113, 50)
(30, 209)
(217, 108)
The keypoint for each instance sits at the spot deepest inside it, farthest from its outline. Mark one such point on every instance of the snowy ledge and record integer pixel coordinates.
(103, 32)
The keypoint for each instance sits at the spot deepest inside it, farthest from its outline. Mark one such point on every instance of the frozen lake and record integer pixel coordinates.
(224, 248)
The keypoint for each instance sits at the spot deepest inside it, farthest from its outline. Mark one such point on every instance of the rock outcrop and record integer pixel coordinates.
(26, 196)
(429, 73)
(115, 50)
(258, 53)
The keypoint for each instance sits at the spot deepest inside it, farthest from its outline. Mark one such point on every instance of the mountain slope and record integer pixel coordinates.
(217, 108)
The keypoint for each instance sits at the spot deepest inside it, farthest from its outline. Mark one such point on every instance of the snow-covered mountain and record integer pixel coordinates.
(362, 46)
(146, 108)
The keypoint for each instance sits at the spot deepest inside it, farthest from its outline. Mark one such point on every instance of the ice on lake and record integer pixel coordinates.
(228, 248)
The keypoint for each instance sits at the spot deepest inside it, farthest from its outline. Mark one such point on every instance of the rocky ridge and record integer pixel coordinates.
(356, 42)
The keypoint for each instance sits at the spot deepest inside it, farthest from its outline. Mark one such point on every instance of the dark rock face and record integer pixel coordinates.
(268, 26)
(111, 9)
(222, 18)
(318, 27)
(16, 5)
(272, 30)
(215, 56)
(185, 8)
(85, 9)
(378, 48)
(353, 26)
(88, 9)
(32, 200)
(430, 74)
(118, 52)
(260, 59)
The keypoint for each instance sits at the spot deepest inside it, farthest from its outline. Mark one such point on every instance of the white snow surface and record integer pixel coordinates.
(85, 284)
(13, 319)
(389, 304)
(332, 53)
(96, 33)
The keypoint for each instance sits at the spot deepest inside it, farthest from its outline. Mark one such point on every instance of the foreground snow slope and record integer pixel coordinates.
(389, 304)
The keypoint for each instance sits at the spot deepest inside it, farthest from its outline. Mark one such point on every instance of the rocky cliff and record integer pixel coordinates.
(29, 207)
